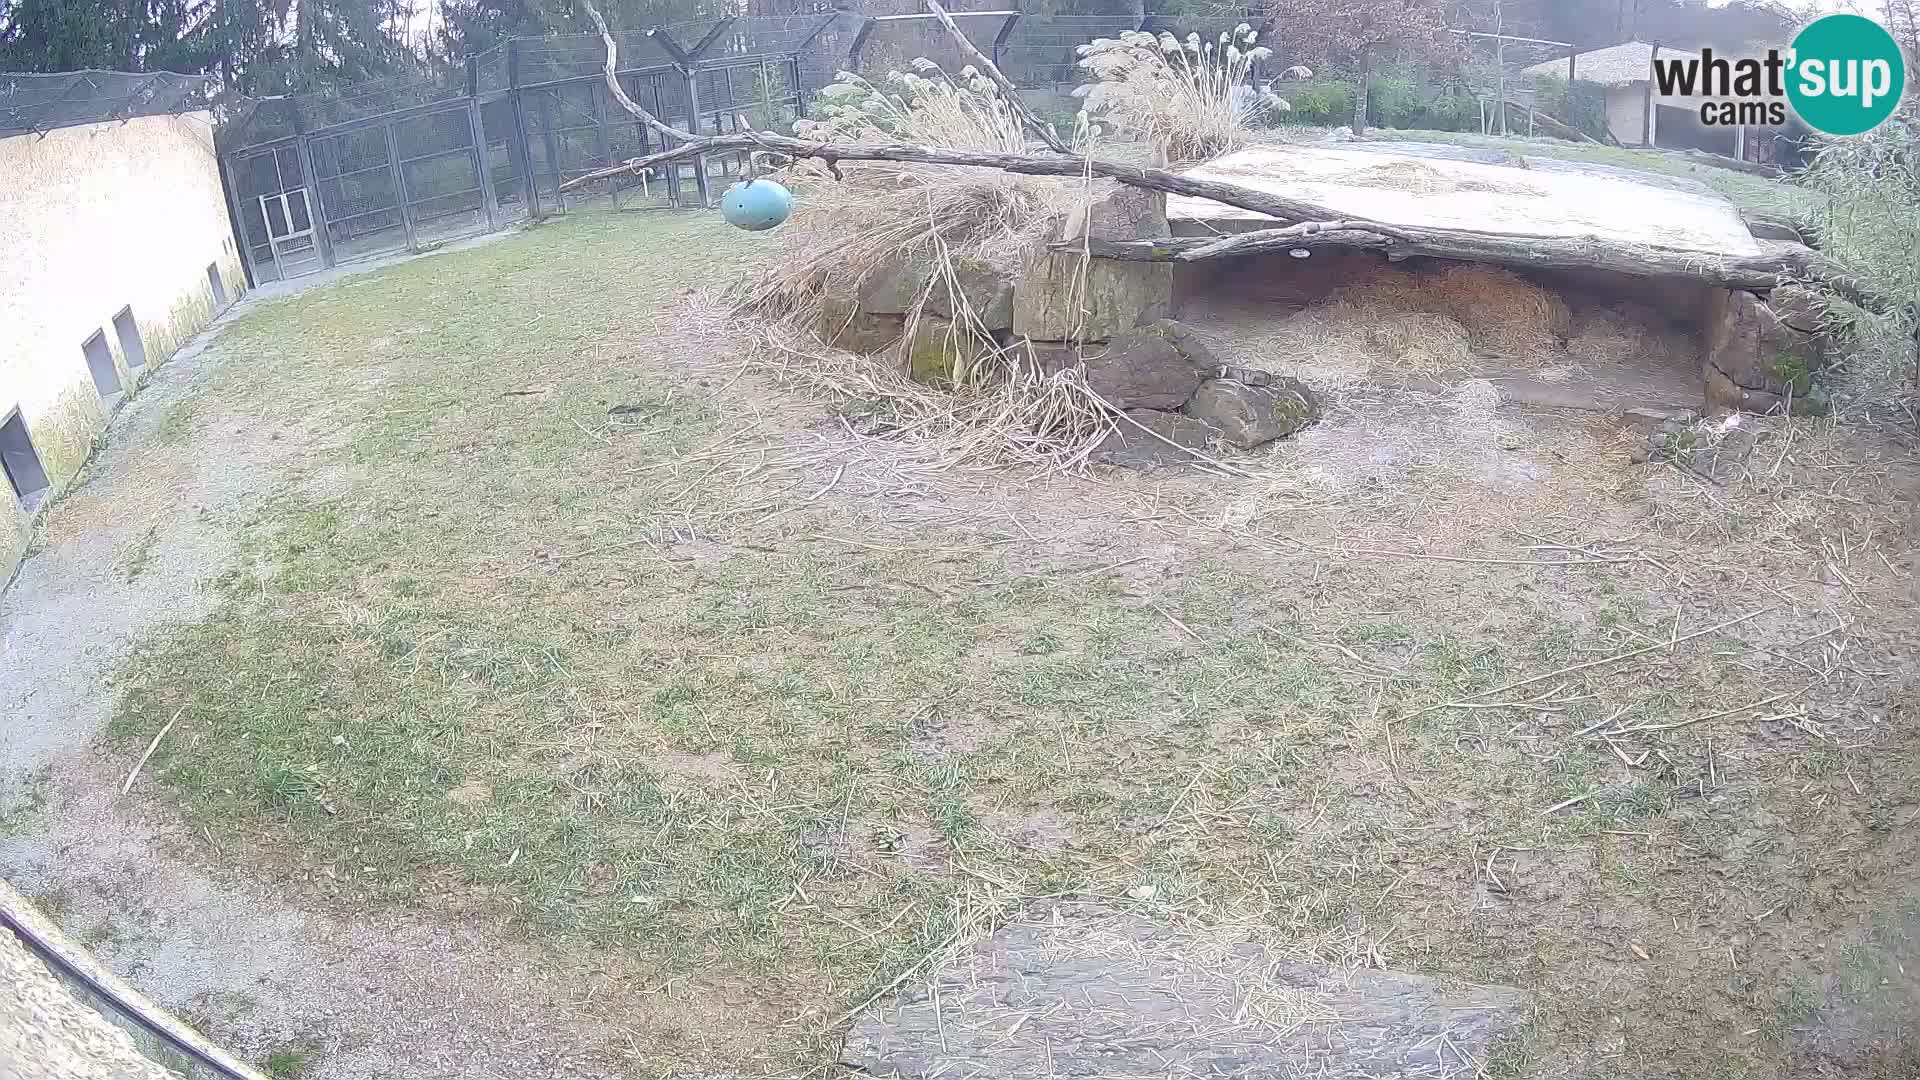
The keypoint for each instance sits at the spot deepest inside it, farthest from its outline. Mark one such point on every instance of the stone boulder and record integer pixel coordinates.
(1140, 371)
(1055, 301)
(989, 292)
(1249, 416)
(844, 325)
(1758, 361)
(1050, 301)
(892, 287)
(939, 349)
(1133, 448)
(1116, 211)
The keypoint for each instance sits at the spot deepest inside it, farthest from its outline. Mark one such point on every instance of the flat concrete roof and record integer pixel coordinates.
(1440, 193)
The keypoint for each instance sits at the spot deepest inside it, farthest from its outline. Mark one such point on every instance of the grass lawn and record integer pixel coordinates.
(565, 624)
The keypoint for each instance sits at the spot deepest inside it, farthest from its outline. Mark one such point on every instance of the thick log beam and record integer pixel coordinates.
(1760, 273)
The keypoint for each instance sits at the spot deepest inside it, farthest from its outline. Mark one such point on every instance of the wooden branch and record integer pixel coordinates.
(979, 60)
(619, 93)
(1276, 206)
(1552, 125)
(1760, 273)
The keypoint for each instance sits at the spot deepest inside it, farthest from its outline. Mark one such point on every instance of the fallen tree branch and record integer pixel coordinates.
(1312, 226)
(619, 93)
(1760, 273)
(1260, 202)
(1012, 95)
(1552, 125)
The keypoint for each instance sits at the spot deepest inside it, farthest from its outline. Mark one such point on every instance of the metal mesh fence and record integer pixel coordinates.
(401, 163)
(42, 103)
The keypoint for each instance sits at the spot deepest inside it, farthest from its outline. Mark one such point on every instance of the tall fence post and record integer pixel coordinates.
(482, 163)
(517, 144)
(232, 184)
(316, 202)
(693, 117)
(602, 140)
(400, 186)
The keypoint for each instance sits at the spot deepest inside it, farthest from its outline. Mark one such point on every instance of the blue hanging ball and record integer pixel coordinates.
(756, 205)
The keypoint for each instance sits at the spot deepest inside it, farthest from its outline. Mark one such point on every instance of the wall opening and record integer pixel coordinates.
(106, 377)
(131, 346)
(19, 461)
(219, 289)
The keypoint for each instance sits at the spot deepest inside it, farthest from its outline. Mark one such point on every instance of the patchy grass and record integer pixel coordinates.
(558, 623)
(136, 555)
(288, 1062)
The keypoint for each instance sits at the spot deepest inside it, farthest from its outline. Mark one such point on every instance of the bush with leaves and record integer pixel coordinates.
(1865, 209)
(1193, 100)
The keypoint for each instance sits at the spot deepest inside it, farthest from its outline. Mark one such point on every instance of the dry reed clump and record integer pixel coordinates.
(848, 227)
(874, 217)
(1628, 332)
(1049, 422)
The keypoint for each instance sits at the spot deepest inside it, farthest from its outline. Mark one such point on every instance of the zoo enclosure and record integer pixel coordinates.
(317, 180)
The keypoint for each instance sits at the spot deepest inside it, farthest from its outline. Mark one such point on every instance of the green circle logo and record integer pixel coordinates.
(1845, 75)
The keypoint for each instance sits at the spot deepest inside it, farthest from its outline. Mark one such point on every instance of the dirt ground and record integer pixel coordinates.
(550, 695)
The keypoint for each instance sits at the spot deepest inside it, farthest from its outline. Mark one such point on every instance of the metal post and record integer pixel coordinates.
(517, 142)
(1573, 68)
(231, 183)
(482, 165)
(400, 186)
(602, 143)
(545, 105)
(317, 205)
(693, 114)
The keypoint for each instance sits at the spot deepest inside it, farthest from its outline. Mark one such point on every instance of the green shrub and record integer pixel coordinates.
(1589, 116)
(1320, 103)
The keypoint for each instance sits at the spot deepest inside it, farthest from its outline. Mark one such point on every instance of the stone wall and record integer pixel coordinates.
(94, 219)
(1762, 354)
(1060, 310)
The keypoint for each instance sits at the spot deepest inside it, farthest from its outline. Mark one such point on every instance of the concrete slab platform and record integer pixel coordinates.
(1405, 189)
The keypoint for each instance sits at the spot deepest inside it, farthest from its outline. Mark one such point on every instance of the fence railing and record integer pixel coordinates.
(317, 180)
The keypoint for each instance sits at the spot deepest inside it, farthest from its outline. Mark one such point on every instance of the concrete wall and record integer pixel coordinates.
(94, 219)
(1627, 113)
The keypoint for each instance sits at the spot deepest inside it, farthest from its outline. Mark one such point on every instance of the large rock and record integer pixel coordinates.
(1197, 352)
(1082, 991)
(1140, 371)
(940, 349)
(1757, 360)
(844, 325)
(1165, 441)
(1050, 302)
(1248, 416)
(1054, 301)
(892, 287)
(1118, 212)
(989, 292)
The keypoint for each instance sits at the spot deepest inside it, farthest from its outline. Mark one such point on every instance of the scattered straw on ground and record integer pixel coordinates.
(1413, 176)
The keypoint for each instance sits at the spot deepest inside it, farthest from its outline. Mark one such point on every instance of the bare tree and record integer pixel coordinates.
(1360, 33)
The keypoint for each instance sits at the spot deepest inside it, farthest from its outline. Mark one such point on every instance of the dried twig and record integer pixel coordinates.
(1616, 658)
(151, 747)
